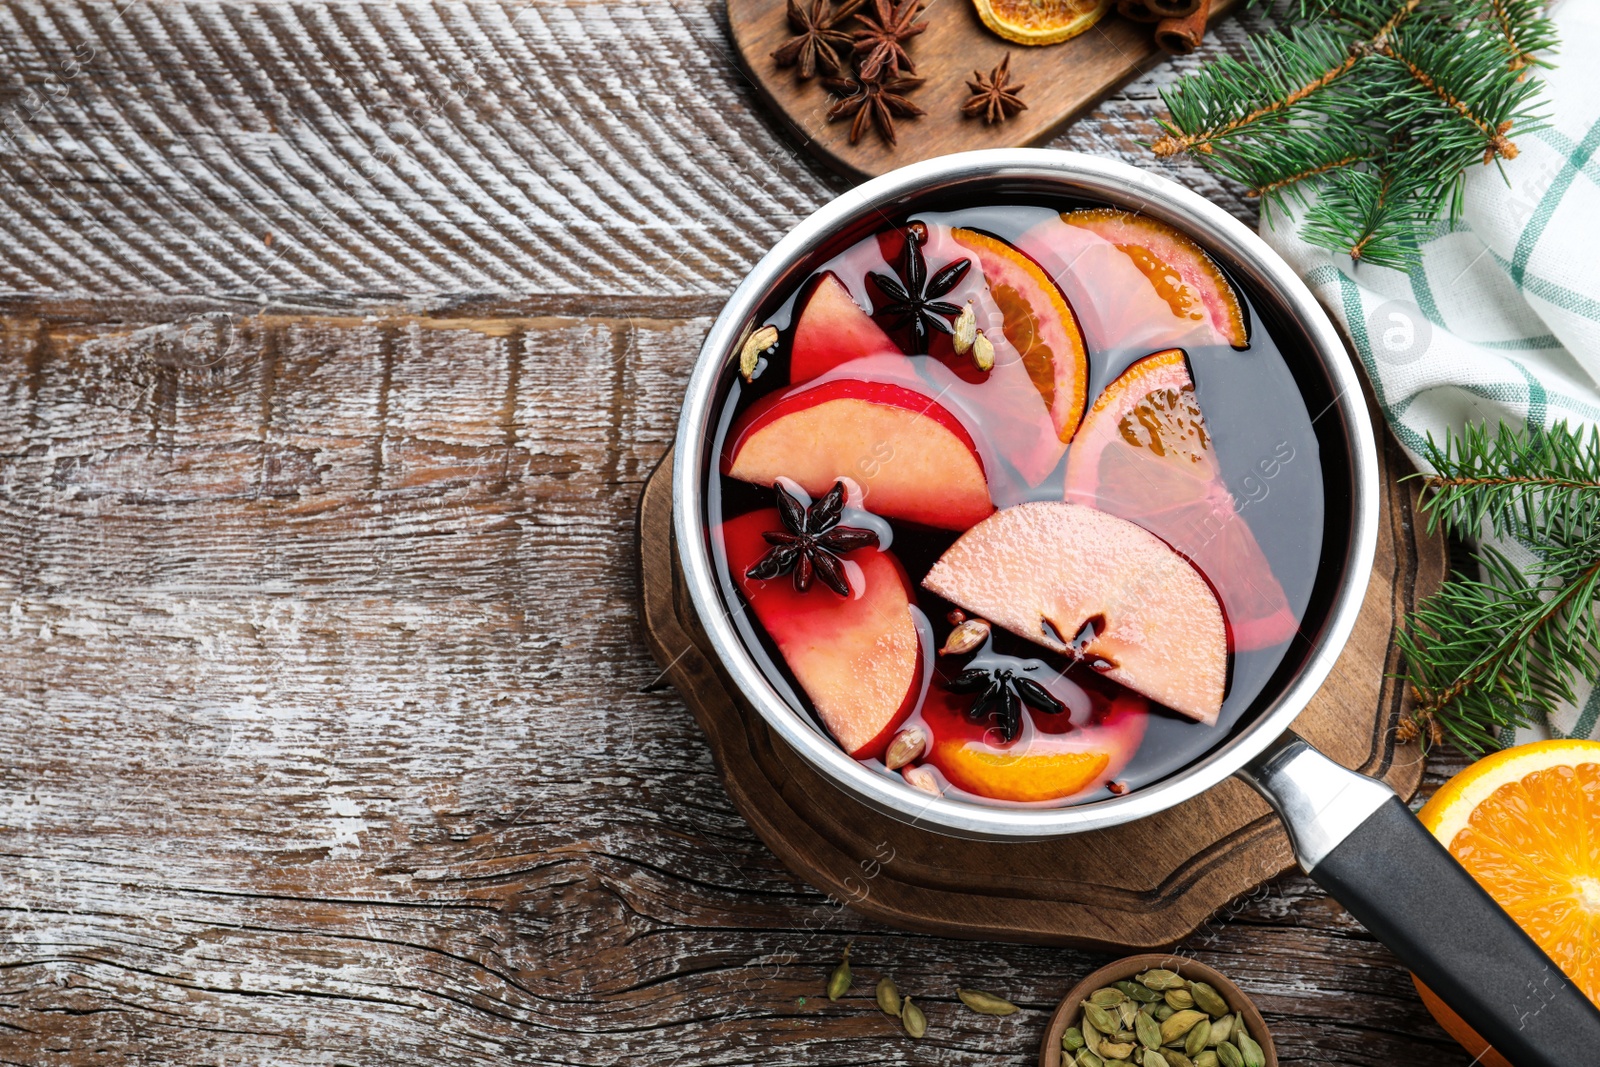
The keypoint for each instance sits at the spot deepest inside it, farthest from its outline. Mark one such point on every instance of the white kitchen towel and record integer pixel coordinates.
(1500, 319)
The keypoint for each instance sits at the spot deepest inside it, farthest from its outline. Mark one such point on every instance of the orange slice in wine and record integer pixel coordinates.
(1143, 453)
(1180, 271)
(1040, 21)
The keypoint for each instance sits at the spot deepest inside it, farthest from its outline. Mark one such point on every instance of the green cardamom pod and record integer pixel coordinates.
(1071, 1039)
(1142, 994)
(1116, 1050)
(888, 997)
(1089, 1059)
(1208, 999)
(1251, 1052)
(1126, 1012)
(1179, 998)
(1118, 1063)
(1154, 1059)
(1196, 1041)
(1228, 1055)
(1101, 1019)
(1175, 1058)
(1163, 1012)
(1160, 979)
(1107, 997)
(1208, 1058)
(916, 1023)
(839, 980)
(1221, 1030)
(986, 1003)
(1179, 1023)
(1149, 1031)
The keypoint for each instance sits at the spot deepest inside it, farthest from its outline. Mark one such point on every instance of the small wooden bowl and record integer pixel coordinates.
(1126, 968)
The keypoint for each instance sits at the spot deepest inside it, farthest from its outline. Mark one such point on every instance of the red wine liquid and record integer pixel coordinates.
(1261, 433)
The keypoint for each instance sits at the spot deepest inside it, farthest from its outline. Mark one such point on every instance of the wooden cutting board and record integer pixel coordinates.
(1061, 81)
(1142, 885)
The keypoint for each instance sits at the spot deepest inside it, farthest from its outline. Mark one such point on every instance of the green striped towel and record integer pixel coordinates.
(1501, 319)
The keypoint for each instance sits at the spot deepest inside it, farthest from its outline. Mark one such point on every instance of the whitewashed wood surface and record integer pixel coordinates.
(337, 342)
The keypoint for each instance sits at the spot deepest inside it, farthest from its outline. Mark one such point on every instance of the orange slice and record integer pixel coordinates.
(1526, 823)
(1038, 324)
(1180, 271)
(1143, 454)
(1040, 21)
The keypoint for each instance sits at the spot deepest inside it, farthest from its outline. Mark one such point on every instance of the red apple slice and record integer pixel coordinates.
(1089, 584)
(912, 459)
(833, 329)
(1143, 453)
(858, 658)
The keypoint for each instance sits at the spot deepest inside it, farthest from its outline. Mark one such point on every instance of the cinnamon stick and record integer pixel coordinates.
(1173, 9)
(1180, 36)
(1136, 11)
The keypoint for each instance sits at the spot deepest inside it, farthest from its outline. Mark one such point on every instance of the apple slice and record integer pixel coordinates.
(1098, 588)
(911, 457)
(1143, 453)
(833, 329)
(858, 658)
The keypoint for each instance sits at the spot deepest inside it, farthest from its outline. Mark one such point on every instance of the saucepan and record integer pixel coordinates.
(1350, 833)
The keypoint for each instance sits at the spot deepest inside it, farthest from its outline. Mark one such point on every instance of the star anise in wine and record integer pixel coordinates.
(811, 542)
(1004, 690)
(874, 102)
(994, 97)
(882, 43)
(817, 36)
(914, 297)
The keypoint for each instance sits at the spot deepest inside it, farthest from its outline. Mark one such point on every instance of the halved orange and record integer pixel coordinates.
(1040, 21)
(1525, 823)
(1143, 454)
(1179, 270)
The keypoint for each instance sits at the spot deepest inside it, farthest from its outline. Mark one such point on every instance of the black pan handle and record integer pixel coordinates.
(1353, 836)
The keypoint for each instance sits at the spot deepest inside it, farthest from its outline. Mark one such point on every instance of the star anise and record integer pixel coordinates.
(994, 97)
(817, 35)
(1004, 691)
(811, 542)
(883, 40)
(914, 297)
(875, 102)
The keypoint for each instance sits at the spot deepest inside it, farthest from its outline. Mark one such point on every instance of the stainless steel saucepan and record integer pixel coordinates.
(1351, 833)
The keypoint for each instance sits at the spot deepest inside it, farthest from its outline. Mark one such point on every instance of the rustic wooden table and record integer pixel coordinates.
(337, 342)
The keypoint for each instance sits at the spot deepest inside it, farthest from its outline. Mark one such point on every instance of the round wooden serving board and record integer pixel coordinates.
(1142, 885)
(1061, 81)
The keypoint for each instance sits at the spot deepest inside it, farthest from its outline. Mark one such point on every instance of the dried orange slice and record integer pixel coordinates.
(1526, 823)
(1178, 269)
(1040, 21)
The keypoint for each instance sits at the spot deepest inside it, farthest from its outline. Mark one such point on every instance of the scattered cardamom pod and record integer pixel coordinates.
(986, 1003)
(1148, 1029)
(965, 638)
(1071, 1039)
(1107, 997)
(1160, 980)
(1089, 1059)
(966, 330)
(982, 353)
(911, 1017)
(1208, 999)
(1154, 1059)
(1228, 1055)
(1125, 1037)
(1179, 999)
(1175, 1058)
(1115, 1050)
(888, 997)
(1101, 1019)
(1163, 1012)
(1208, 1058)
(1251, 1052)
(839, 980)
(909, 744)
(1143, 994)
(754, 345)
(1179, 1023)
(1196, 1041)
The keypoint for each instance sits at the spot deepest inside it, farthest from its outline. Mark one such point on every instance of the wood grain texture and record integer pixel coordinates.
(330, 734)
(1060, 82)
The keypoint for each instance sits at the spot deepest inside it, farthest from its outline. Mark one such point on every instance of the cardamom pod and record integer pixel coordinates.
(1179, 998)
(1196, 1041)
(1228, 1055)
(1115, 1050)
(1221, 1030)
(1208, 1058)
(1125, 1037)
(908, 744)
(1154, 1059)
(1148, 1029)
(1119, 1063)
(1251, 1052)
(916, 1023)
(1126, 1011)
(1089, 1059)
(1175, 1058)
(1163, 1012)
(1208, 1000)
(965, 637)
(839, 981)
(982, 353)
(888, 997)
(1101, 1019)
(1071, 1039)
(1160, 979)
(986, 1003)
(966, 330)
(1179, 1023)
(1107, 997)
(756, 344)
(1143, 994)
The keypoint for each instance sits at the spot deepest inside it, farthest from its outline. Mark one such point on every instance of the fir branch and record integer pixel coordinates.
(1487, 653)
